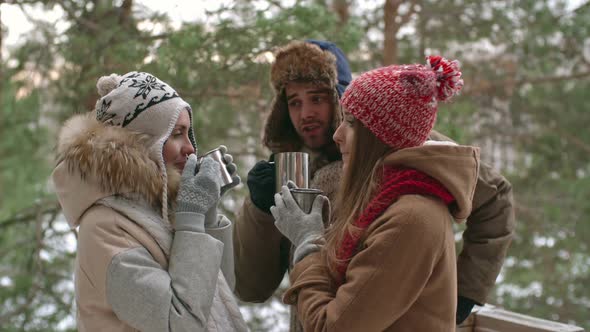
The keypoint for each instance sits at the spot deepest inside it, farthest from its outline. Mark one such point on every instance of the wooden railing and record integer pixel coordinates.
(493, 319)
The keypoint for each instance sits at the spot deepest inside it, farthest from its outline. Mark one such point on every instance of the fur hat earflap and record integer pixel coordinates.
(321, 63)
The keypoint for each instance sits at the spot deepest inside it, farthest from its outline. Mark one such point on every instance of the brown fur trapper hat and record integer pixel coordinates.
(318, 62)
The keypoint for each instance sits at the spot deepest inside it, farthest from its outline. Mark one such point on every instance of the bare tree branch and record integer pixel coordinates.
(550, 126)
(406, 18)
(35, 268)
(276, 3)
(21, 2)
(16, 245)
(30, 214)
(155, 37)
(216, 93)
(20, 309)
(2, 78)
(90, 25)
(490, 86)
(570, 138)
(582, 7)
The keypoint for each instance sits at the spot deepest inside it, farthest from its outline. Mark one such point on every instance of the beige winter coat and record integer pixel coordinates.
(403, 278)
(262, 253)
(133, 272)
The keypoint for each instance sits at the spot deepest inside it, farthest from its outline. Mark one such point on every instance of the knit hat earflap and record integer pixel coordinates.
(399, 103)
(142, 103)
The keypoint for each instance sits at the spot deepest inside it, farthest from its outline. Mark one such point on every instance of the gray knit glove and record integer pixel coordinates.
(231, 169)
(303, 230)
(201, 191)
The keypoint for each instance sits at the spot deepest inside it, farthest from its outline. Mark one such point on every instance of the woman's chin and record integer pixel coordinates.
(179, 166)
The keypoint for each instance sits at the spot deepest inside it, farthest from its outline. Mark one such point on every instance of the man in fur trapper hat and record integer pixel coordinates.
(308, 78)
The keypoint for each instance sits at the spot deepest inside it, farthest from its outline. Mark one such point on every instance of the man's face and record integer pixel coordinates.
(310, 110)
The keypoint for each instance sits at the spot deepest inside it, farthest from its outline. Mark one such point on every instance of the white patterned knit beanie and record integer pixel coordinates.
(142, 103)
(399, 103)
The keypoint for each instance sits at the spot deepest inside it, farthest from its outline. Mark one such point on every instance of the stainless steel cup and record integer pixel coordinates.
(218, 157)
(292, 166)
(305, 197)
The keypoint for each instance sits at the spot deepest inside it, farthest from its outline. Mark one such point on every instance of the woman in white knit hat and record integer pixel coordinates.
(153, 255)
(388, 261)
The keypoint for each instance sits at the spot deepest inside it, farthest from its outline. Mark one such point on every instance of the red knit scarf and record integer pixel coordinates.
(395, 183)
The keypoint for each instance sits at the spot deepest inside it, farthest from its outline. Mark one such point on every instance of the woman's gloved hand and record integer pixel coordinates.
(201, 191)
(231, 169)
(302, 229)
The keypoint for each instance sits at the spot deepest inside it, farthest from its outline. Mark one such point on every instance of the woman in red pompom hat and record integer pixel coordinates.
(388, 261)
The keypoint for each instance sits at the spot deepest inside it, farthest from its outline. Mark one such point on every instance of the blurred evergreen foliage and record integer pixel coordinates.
(526, 67)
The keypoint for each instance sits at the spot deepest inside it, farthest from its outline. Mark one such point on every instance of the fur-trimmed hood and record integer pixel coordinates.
(95, 161)
(318, 62)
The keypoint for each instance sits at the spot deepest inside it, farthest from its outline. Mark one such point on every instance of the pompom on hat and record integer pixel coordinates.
(399, 103)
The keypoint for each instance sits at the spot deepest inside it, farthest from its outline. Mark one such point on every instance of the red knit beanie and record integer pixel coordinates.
(399, 103)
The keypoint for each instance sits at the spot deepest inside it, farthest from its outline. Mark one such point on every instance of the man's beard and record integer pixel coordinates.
(329, 148)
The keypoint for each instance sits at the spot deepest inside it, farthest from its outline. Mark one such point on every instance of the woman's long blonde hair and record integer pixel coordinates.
(357, 187)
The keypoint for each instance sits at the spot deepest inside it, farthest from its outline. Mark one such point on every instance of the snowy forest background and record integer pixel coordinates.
(526, 66)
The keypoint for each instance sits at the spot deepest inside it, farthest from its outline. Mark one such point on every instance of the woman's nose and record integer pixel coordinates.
(188, 147)
(337, 137)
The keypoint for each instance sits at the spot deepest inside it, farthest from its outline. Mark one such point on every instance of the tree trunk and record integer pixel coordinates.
(1, 61)
(341, 8)
(422, 36)
(2, 78)
(1, 32)
(390, 32)
(125, 18)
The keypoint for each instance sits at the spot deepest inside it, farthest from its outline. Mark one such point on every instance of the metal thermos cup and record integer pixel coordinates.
(293, 166)
(218, 157)
(305, 197)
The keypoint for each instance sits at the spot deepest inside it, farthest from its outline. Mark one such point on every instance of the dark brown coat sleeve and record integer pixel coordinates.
(261, 254)
(490, 229)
